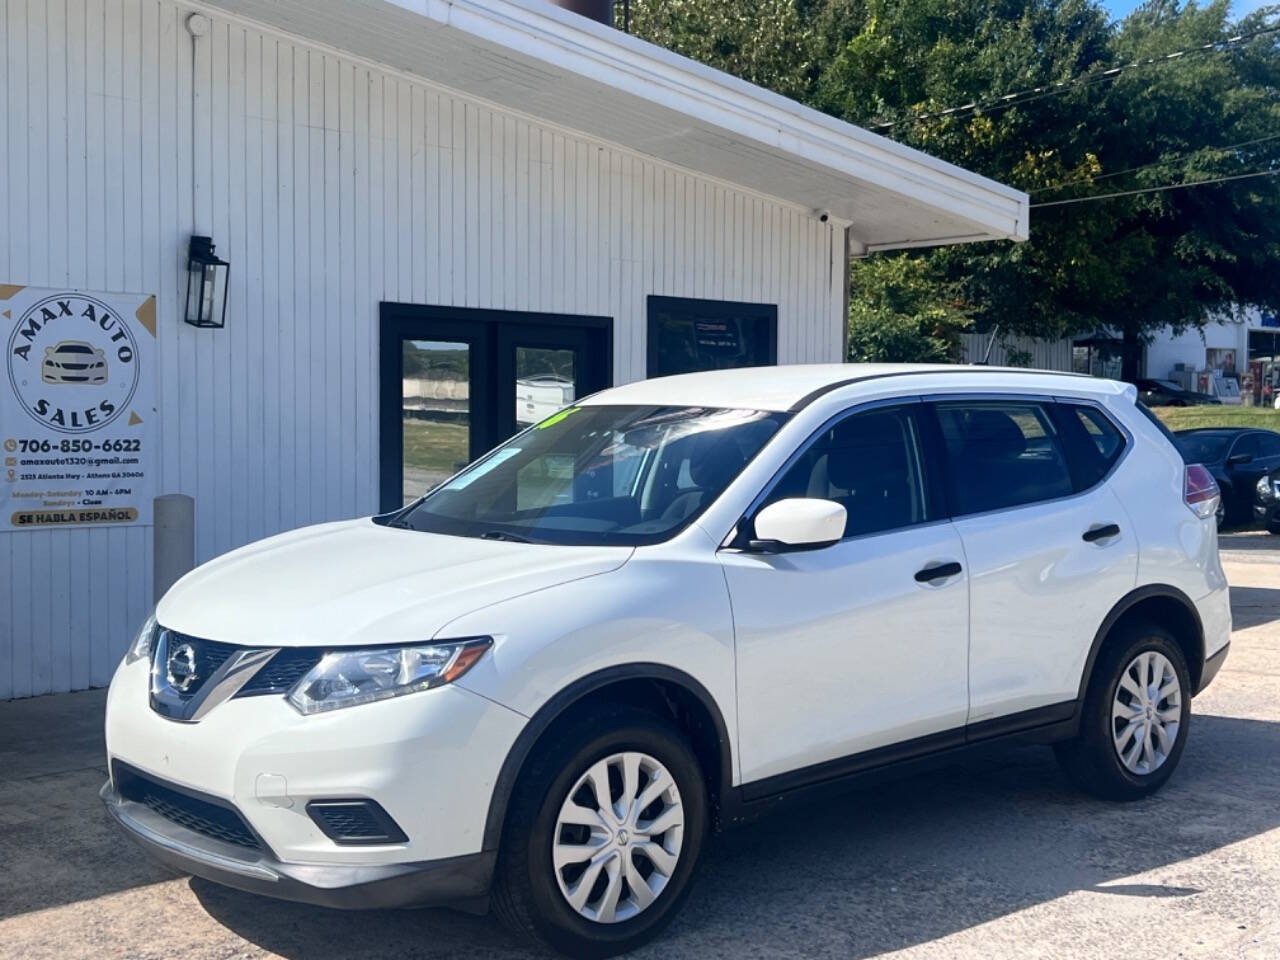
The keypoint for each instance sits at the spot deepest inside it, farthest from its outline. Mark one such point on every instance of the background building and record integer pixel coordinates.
(1245, 350)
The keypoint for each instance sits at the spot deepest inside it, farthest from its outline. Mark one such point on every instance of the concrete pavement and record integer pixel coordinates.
(994, 858)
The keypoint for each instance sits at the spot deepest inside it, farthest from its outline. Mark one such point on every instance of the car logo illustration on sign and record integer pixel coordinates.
(71, 338)
(74, 361)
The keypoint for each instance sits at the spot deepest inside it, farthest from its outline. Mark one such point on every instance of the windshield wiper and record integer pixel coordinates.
(503, 535)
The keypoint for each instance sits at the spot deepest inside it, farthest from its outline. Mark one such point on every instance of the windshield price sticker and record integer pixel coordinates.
(77, 408)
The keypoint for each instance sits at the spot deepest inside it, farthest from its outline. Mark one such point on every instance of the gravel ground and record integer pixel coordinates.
(992, 858)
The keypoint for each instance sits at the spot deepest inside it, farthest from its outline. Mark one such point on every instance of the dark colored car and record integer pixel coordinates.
(1238, 458)
(1166, 393)
(1266, 506)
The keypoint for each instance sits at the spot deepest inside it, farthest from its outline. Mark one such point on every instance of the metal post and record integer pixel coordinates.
(174, 540)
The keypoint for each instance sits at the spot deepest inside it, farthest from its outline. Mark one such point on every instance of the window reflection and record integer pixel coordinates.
(435, 413)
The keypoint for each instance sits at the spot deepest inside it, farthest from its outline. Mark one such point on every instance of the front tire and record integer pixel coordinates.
(591, 875)
(1134, 723)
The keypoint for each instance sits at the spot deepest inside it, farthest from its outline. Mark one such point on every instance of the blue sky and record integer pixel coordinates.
(1120, 8)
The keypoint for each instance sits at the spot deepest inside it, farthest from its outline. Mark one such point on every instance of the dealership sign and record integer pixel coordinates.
(77, 408)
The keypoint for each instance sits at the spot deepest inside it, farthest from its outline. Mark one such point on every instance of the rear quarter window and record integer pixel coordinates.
(1092, 442)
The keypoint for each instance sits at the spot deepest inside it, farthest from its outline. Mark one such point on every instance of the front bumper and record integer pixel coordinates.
(429, 760)
(344, 886)
(1268, 512)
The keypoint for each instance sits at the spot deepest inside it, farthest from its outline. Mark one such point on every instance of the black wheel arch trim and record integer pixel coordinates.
(1123, 606)
(562, 701)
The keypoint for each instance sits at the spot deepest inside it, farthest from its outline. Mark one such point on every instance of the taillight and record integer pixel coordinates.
(1200, 491)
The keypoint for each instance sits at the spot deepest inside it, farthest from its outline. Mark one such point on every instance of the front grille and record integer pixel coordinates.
(209, 656)
(205, 817)
(186, 671)
(282, 671)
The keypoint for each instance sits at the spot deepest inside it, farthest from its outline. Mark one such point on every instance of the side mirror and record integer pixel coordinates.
(1239, 459)
(798, 524)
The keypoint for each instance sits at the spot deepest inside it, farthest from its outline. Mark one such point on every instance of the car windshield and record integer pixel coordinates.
(1202, 448)
(598, 475)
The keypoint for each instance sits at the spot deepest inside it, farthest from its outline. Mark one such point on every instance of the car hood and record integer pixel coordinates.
(360, 583)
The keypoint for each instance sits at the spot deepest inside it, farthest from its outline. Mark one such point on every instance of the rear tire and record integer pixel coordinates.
(556, 805)
(1135, 719)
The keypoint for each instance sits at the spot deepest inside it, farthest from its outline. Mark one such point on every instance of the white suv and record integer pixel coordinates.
(659, 612)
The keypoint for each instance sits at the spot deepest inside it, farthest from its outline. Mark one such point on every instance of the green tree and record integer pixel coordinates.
(766, 42)
(1129, 264)
(899, 315)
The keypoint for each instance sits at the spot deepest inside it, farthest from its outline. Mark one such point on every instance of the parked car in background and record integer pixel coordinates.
(1237, 458)
(747, 586)
(1266, 508)
(1166, 393)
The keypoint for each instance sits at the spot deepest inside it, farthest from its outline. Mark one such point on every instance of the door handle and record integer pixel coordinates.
(938, 571)
(1103, 532)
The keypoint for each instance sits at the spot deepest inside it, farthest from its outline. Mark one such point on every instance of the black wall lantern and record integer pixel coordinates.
(206, 285)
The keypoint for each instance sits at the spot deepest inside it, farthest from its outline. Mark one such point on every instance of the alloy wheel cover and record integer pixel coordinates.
(1146, 713)
(618, 837)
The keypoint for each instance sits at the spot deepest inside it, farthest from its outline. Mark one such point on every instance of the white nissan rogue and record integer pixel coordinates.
(659, 612)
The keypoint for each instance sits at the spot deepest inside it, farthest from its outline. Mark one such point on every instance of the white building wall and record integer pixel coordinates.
(1189, 347)
(330, 184)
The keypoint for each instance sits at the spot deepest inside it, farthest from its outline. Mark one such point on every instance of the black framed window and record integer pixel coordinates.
(686, 335)
(1000, 454)
(1091, 441)
(454, 382)
(871, 462)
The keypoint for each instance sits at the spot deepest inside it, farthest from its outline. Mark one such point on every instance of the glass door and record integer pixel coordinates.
(546, 368)
(434, 399)
(454, 383)
(435, 413)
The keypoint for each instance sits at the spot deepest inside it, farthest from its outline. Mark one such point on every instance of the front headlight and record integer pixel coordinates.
(141, 646)
(345, 678)
(1264, 489)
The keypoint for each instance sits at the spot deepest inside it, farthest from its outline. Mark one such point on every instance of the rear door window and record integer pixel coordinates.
(1001, 453)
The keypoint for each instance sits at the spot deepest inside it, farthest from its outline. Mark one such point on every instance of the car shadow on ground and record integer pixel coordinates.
(1254, 606)
(1248, 540)
(877, 870)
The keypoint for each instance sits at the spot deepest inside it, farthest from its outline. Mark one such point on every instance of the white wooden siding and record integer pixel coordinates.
(1045, 354)
(330, 184)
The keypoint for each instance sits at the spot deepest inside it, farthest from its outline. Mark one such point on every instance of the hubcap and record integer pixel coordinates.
(1146, 712)
(618, 837)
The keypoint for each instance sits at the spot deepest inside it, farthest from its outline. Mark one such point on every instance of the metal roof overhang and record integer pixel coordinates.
(536, 59)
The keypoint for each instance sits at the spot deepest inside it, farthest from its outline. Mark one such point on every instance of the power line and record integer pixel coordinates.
(1031, 94)
(1160, 189)
(1154, 163)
